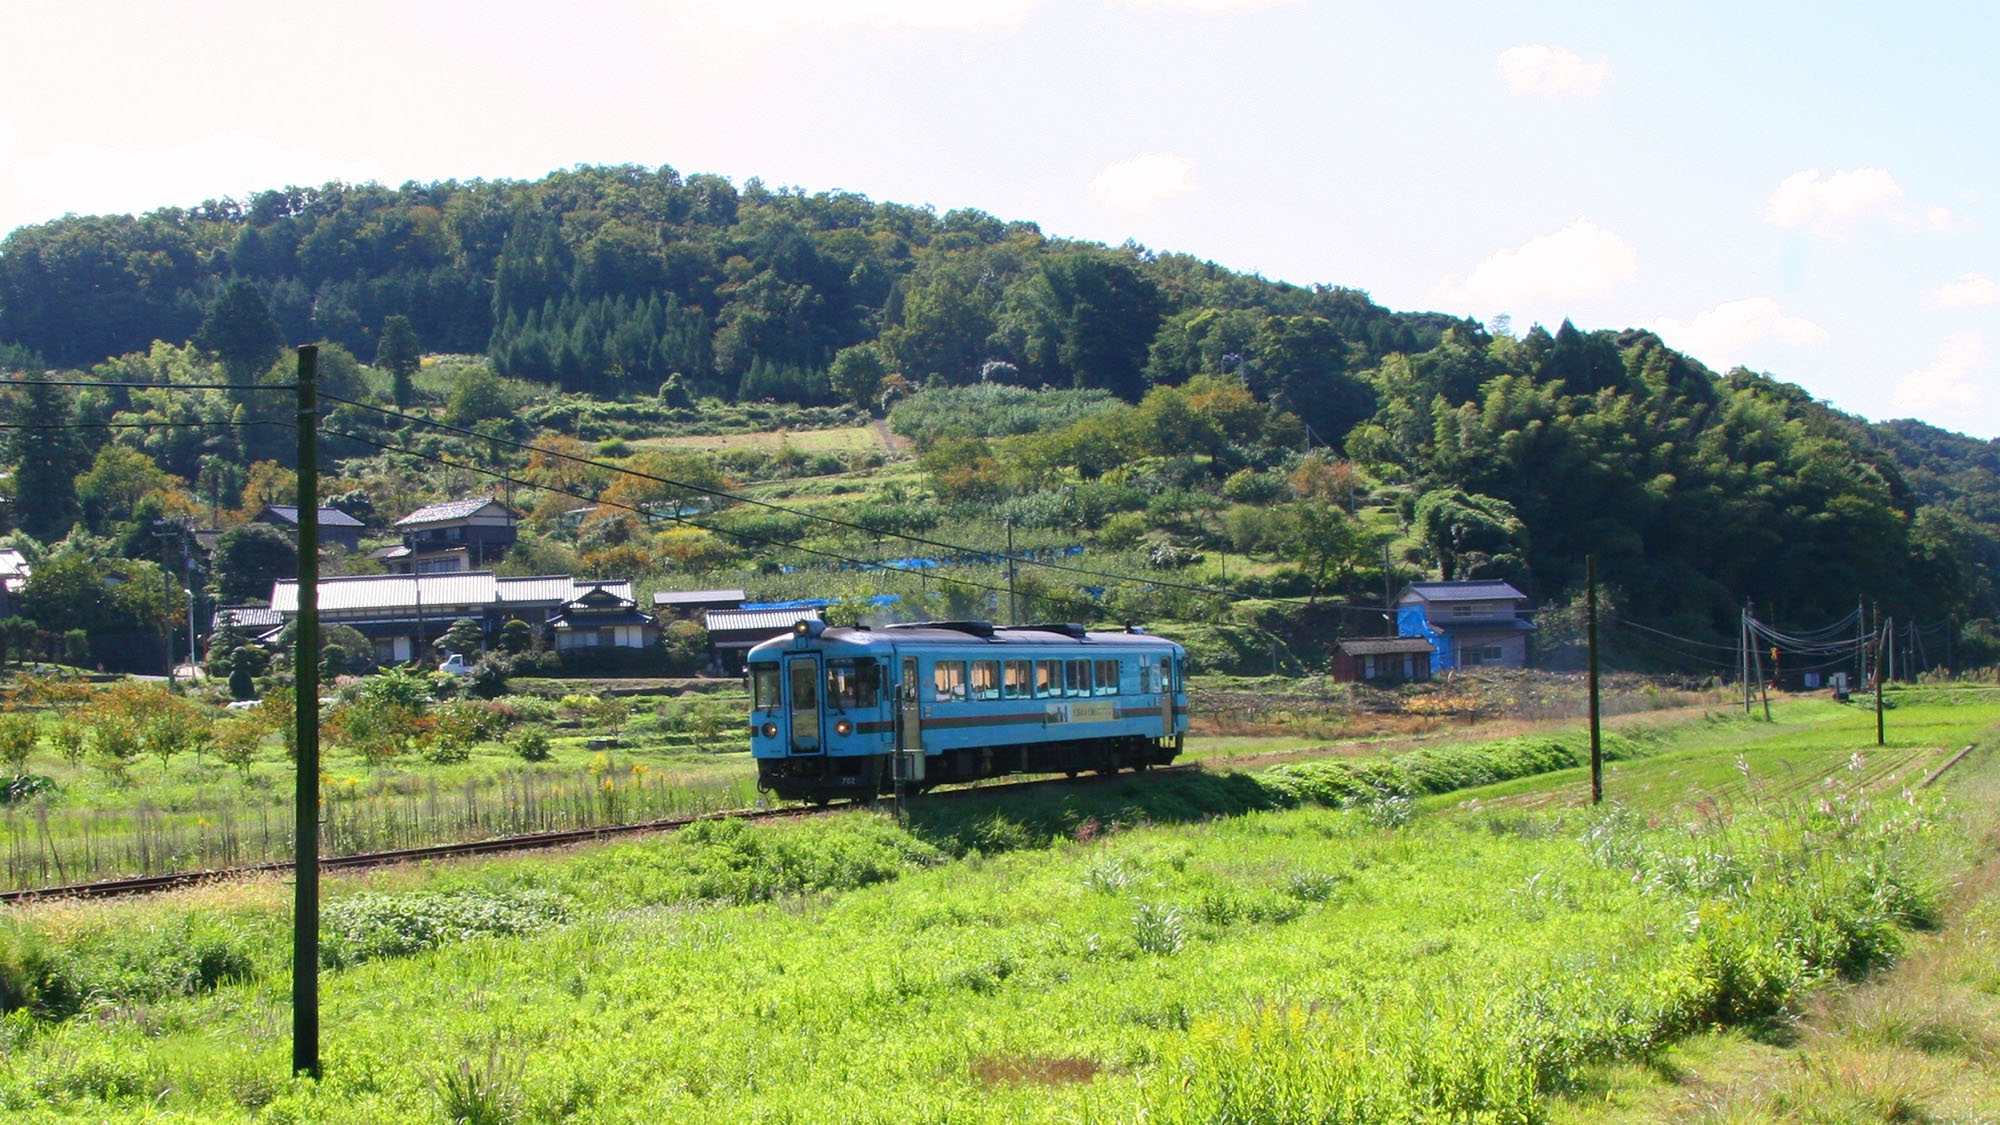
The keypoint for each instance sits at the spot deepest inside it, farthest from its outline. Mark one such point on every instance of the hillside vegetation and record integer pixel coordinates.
(1331, 445)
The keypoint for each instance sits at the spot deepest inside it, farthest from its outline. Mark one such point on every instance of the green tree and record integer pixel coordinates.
(240, 332)
(857, 373)
(465, 637)
(17, 739)
(249, 558)
(47, 458)
(398, 352)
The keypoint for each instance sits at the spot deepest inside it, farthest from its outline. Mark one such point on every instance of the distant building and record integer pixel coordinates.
(336, 528)
(14, 574)
(1395, 660)
(403, 613)
(462, 535)
(1471, 624)
(603, 617)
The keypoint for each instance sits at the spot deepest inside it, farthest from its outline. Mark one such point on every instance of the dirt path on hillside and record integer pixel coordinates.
(891, 442)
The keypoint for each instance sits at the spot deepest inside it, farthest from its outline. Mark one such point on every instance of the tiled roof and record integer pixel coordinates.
(450, 510)
(1478, 590)
(556, 588)
(1379, 646)
(248, 616)
(328, 517)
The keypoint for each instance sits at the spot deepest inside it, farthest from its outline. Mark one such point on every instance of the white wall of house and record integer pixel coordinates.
(611, 636)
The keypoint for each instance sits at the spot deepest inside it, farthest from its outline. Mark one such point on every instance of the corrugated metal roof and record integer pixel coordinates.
(450, 510)
(775, 620)
(391, 592)
(694, 597)
(1472, 591)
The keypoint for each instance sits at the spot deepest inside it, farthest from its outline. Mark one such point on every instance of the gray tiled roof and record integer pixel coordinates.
(1476, 590)
(328, 517)
(450, 510)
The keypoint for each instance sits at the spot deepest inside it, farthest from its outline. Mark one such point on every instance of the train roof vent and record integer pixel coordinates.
(970, 628)
(1066, 628)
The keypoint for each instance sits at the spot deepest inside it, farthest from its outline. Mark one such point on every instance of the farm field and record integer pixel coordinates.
(1187, 947)
(676, 754)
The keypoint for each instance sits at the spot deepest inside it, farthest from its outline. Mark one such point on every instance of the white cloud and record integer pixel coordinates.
(1581, 260)
(1202, 7)
(792, 16)
(1141, 182)
(1968, 291)
(1947, 383)
(1723, 336)
(1834, 206)
(1551, 72)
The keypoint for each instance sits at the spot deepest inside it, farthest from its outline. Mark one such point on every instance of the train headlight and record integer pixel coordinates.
(843, 727)
(770, 730)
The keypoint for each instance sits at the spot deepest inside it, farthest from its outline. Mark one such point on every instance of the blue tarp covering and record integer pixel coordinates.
(1411, 622)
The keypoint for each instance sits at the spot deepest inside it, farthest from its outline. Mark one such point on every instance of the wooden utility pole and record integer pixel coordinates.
(305, 678)
(1880, 736)
(1596, 746)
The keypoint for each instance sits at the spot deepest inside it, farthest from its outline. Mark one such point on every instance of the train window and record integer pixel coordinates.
(1107, 677)
(1048, 678)
(853, 683)
(1077, 681)
(986, 679)
(1020, 680)
(1166, 674)
(948, 678)
(764, 686)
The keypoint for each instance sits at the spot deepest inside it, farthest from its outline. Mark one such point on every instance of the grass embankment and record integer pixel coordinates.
(1178, 948)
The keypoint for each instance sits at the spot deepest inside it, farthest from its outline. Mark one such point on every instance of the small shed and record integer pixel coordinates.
(1396, 660)
(732, 633)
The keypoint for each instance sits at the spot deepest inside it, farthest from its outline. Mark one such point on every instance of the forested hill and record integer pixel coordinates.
(1515, 455)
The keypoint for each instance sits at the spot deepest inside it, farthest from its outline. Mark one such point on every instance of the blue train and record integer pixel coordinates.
(849, 712)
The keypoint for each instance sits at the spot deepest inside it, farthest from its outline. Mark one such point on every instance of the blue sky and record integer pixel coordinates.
(1802, 189)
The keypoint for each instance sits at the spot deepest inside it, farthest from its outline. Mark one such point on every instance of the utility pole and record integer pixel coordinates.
(305, 678)
(1596, 746)
(161, 531)
(1013, 612)
(1880, 738)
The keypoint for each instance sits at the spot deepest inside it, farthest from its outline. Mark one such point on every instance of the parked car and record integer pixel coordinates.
(454, 664)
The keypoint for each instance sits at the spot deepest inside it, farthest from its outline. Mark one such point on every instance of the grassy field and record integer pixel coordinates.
(1171, 949)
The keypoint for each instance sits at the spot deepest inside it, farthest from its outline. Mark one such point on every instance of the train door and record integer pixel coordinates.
(1166, 696)
(802, 696)
(909, 708)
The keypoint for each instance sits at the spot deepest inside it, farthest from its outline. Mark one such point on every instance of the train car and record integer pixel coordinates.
(839, 712)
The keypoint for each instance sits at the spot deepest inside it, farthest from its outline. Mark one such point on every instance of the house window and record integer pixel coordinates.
(1462, 609)
(1480, 654)
(607, 637)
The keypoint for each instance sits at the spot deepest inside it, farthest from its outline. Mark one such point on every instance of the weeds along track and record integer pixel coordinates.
(498, 845)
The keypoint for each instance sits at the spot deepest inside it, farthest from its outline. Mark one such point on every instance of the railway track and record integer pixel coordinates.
(498, 845)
